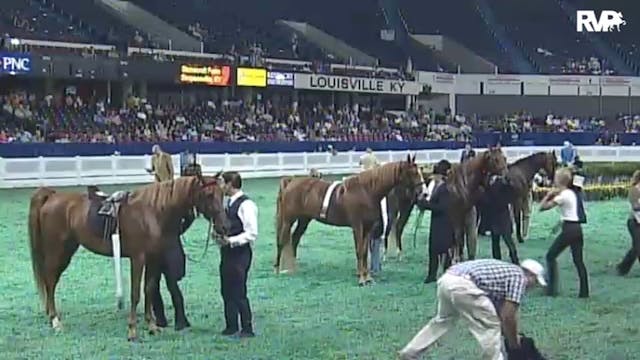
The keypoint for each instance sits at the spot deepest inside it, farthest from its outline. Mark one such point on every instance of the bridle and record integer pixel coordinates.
(209, 232)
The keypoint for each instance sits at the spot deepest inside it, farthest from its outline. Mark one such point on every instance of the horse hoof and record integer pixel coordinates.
(182, 325)
(120, 304)
(370, 282)
(132, 336)
(56, 324)
(161, 323)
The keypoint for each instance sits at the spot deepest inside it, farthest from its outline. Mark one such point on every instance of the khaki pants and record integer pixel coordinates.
(460, 297)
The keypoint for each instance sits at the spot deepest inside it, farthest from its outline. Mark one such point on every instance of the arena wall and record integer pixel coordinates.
(116, 169)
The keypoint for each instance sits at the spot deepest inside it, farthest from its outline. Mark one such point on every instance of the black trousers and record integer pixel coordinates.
(634, 253)
(234, 268)
(511, 246)
(434, 262)
(570, 236)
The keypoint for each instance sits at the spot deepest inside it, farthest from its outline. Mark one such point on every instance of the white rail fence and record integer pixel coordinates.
(115, 169)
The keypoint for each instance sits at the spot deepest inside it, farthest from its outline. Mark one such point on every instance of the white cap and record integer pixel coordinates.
(536, 269)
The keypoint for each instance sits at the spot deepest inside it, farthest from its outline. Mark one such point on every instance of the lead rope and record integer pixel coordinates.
(206, 245)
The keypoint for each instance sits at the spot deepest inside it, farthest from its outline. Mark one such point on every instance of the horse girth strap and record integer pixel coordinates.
(327, 199)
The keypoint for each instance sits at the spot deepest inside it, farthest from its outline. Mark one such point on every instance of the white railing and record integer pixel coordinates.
(88, 170)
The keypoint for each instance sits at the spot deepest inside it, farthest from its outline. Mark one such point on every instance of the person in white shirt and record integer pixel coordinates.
(236, 255)
(369, 160)
(633, 224)
(568, 198)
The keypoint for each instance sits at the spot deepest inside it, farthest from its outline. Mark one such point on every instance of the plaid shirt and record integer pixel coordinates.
(499, 279)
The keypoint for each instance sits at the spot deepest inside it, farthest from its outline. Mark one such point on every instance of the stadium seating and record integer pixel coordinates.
(88, 16)
(242, 23)
(543, 31)
(30, 19)
(624, 42)
(465, 27)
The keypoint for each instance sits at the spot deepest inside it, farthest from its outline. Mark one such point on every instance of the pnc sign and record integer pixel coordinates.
(13, 64)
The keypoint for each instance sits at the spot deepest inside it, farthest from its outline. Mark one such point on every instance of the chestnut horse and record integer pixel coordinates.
(59, 222)
(521, 174)
(355, 203)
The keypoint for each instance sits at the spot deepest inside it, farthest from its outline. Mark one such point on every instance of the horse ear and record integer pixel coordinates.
(218, 174)
(200, 177)
(409, 158)
(413, 159)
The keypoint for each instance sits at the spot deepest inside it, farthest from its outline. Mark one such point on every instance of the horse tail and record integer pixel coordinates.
(284, 182)
(38, 199)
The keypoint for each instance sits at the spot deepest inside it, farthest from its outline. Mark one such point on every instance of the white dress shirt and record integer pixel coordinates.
(248, 214)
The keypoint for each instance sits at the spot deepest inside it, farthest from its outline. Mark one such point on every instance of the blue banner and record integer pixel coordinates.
(15, 150)
(15, 63)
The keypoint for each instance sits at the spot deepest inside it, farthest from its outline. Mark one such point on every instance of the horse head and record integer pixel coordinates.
(209, 201)
(494, 162)
(411, 177)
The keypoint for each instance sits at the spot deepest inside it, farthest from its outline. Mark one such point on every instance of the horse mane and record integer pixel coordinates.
(458, 178)
(167, 194)
(374, 178)
(527, 159)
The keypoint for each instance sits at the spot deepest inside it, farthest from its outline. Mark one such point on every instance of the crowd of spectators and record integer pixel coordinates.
(69, 118)
(25, 118)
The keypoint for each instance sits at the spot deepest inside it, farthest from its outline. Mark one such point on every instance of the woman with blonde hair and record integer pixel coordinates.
(633, 224)
(567, 196)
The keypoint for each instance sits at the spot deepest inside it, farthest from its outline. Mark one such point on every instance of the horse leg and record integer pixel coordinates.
(471, 231)
(284, 240)
(137, 267)
(56, 264)
(402, 222)
(390, 239)
(177, 299)
(157, 302)
(151, 275)
(361, 253)
(301, 227)
(526, 215)
(517, 217)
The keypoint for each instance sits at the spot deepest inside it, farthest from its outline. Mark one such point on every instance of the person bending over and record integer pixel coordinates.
(486, 294)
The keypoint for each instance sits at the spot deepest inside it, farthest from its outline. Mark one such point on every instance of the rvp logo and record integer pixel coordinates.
(586, 21)
(15, 64)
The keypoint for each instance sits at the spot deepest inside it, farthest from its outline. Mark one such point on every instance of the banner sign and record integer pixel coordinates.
(214, 75)
(279, 78)
(15, 63)
(356, 84)
(251, 77)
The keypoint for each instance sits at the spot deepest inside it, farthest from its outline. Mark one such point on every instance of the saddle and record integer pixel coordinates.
(103, 211)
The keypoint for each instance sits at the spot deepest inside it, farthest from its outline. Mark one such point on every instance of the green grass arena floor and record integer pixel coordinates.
(320, 312)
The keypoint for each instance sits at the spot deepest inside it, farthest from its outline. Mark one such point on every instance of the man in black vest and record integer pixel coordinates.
(236, 254)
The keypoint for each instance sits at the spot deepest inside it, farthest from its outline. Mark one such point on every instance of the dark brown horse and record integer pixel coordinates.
(59, 222)
(355, 203)
(400, 203)
(464, 183)
(521, 175)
